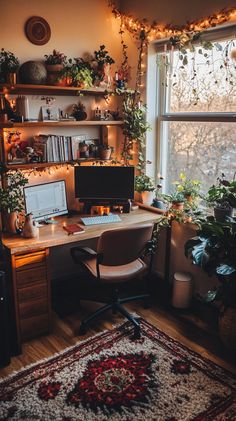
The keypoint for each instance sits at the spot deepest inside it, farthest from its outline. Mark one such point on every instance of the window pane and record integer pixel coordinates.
(202, 150)
(203, 80)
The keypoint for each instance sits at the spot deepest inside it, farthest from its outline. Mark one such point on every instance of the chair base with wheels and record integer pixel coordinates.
(118, 259)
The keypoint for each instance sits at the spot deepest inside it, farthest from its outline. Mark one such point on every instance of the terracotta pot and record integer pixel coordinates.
(189, 198)
(53, 71)
(10, 222)
(147, 197)
(105, 153)
(178, 205)
(227, 328)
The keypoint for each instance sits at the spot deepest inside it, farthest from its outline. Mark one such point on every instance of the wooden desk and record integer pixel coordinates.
(28, 263)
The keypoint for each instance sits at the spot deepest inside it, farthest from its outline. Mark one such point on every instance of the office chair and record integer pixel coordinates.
(118, 259)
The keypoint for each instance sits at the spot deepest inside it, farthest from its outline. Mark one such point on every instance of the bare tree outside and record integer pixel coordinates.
(201, 81)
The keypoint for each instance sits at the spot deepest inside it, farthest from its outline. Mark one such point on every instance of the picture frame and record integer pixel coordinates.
(49, 113)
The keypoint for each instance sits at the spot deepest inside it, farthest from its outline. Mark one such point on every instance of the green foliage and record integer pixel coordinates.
(214, 250)
(135, 125)
(177, 197)
(9, 63)
(187, 187)
(55, 58)
(144, 183)
(223, 194)
(11, 198)
(102, 56)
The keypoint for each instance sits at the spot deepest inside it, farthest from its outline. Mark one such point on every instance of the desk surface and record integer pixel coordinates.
(55, 235)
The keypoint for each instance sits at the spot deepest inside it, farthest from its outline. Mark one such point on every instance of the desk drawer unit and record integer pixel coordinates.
(32, 294)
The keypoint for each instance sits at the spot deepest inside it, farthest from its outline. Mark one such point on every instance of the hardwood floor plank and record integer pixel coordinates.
(186, 328)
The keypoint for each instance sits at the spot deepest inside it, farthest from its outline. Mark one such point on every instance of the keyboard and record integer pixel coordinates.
(105, 219)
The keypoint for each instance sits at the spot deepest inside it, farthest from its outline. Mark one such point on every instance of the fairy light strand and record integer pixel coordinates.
(154, 30)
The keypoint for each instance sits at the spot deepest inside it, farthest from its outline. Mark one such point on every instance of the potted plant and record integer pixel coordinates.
(12, 201)
(54, 64)
(146, 186)
(79, 111)
(105, 151)
(222, 197)
(214, 250)
(176, 200)
(9, 64)
(135, 127)
(188, 187)
(102, 69)
(158, 201)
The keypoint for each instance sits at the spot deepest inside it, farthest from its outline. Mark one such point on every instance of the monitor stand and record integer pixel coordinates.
(126, 204)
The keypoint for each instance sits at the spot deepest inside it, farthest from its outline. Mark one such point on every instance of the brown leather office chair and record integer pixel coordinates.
(118, 259)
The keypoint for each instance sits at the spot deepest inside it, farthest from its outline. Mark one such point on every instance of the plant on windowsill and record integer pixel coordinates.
(12, 201)
(214, 250)
(145, 185)
(176, 200)
(222, 197)
(9, 65)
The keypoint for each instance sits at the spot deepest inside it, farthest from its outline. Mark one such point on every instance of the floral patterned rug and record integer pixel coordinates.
(113, 377)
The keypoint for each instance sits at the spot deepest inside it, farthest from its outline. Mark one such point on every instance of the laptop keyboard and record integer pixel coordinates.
(105, 219)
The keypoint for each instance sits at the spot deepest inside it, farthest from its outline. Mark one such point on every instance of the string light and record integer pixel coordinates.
(158, 31)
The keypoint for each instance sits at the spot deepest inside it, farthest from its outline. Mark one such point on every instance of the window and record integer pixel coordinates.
(197, 110)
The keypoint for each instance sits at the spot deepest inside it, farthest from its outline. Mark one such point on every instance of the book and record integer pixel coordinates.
(73, 229)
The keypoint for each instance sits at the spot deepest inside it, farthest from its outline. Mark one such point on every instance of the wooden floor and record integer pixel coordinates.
(186, 328)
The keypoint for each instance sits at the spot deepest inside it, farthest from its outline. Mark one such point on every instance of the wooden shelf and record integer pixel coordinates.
(21, 88)
(62, 123)
(37, 165)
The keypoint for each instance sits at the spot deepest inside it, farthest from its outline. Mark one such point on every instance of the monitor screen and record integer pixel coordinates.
(95, 182)
(46, 200)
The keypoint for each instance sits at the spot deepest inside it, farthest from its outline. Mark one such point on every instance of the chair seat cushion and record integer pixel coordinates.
(117, 273)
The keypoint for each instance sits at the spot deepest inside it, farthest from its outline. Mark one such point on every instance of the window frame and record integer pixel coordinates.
(155, 78)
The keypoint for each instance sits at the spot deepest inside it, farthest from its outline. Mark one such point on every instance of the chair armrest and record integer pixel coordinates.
(82, 253)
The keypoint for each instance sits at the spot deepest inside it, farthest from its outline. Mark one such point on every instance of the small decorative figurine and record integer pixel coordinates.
(30, 230)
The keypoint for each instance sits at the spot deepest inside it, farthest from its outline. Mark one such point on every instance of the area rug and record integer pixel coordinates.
(113, 377)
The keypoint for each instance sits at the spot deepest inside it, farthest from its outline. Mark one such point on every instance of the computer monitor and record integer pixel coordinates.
(46, 200)
(104, 183)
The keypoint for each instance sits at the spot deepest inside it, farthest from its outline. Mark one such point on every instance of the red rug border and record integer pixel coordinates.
(118, 332)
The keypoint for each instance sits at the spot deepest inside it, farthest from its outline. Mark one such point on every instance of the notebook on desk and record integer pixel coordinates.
(73, 229)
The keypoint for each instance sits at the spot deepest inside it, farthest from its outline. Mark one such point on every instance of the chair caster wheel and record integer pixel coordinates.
(82, 330)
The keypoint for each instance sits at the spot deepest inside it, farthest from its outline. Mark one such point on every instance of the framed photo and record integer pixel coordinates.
(49, 113)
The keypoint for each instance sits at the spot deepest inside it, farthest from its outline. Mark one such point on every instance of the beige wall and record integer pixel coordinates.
(76, 27)
(174, 12)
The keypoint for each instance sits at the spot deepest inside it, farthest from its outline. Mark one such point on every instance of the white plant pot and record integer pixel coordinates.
(147, 197)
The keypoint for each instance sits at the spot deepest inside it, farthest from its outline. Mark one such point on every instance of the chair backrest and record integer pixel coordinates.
(123, 245)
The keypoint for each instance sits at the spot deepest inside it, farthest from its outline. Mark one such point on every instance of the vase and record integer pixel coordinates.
(11, 78)
(221, 213)
(53, 72)
(147, 197)
(30, 230)
(11, 222)
(227, 328)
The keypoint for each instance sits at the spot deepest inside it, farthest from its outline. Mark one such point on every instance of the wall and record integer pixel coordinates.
(77, 27)
(174, 12)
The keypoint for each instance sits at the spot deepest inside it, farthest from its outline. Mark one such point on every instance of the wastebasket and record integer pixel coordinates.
(182, 290)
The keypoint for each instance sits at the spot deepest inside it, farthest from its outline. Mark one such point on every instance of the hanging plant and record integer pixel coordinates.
(135, 127)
